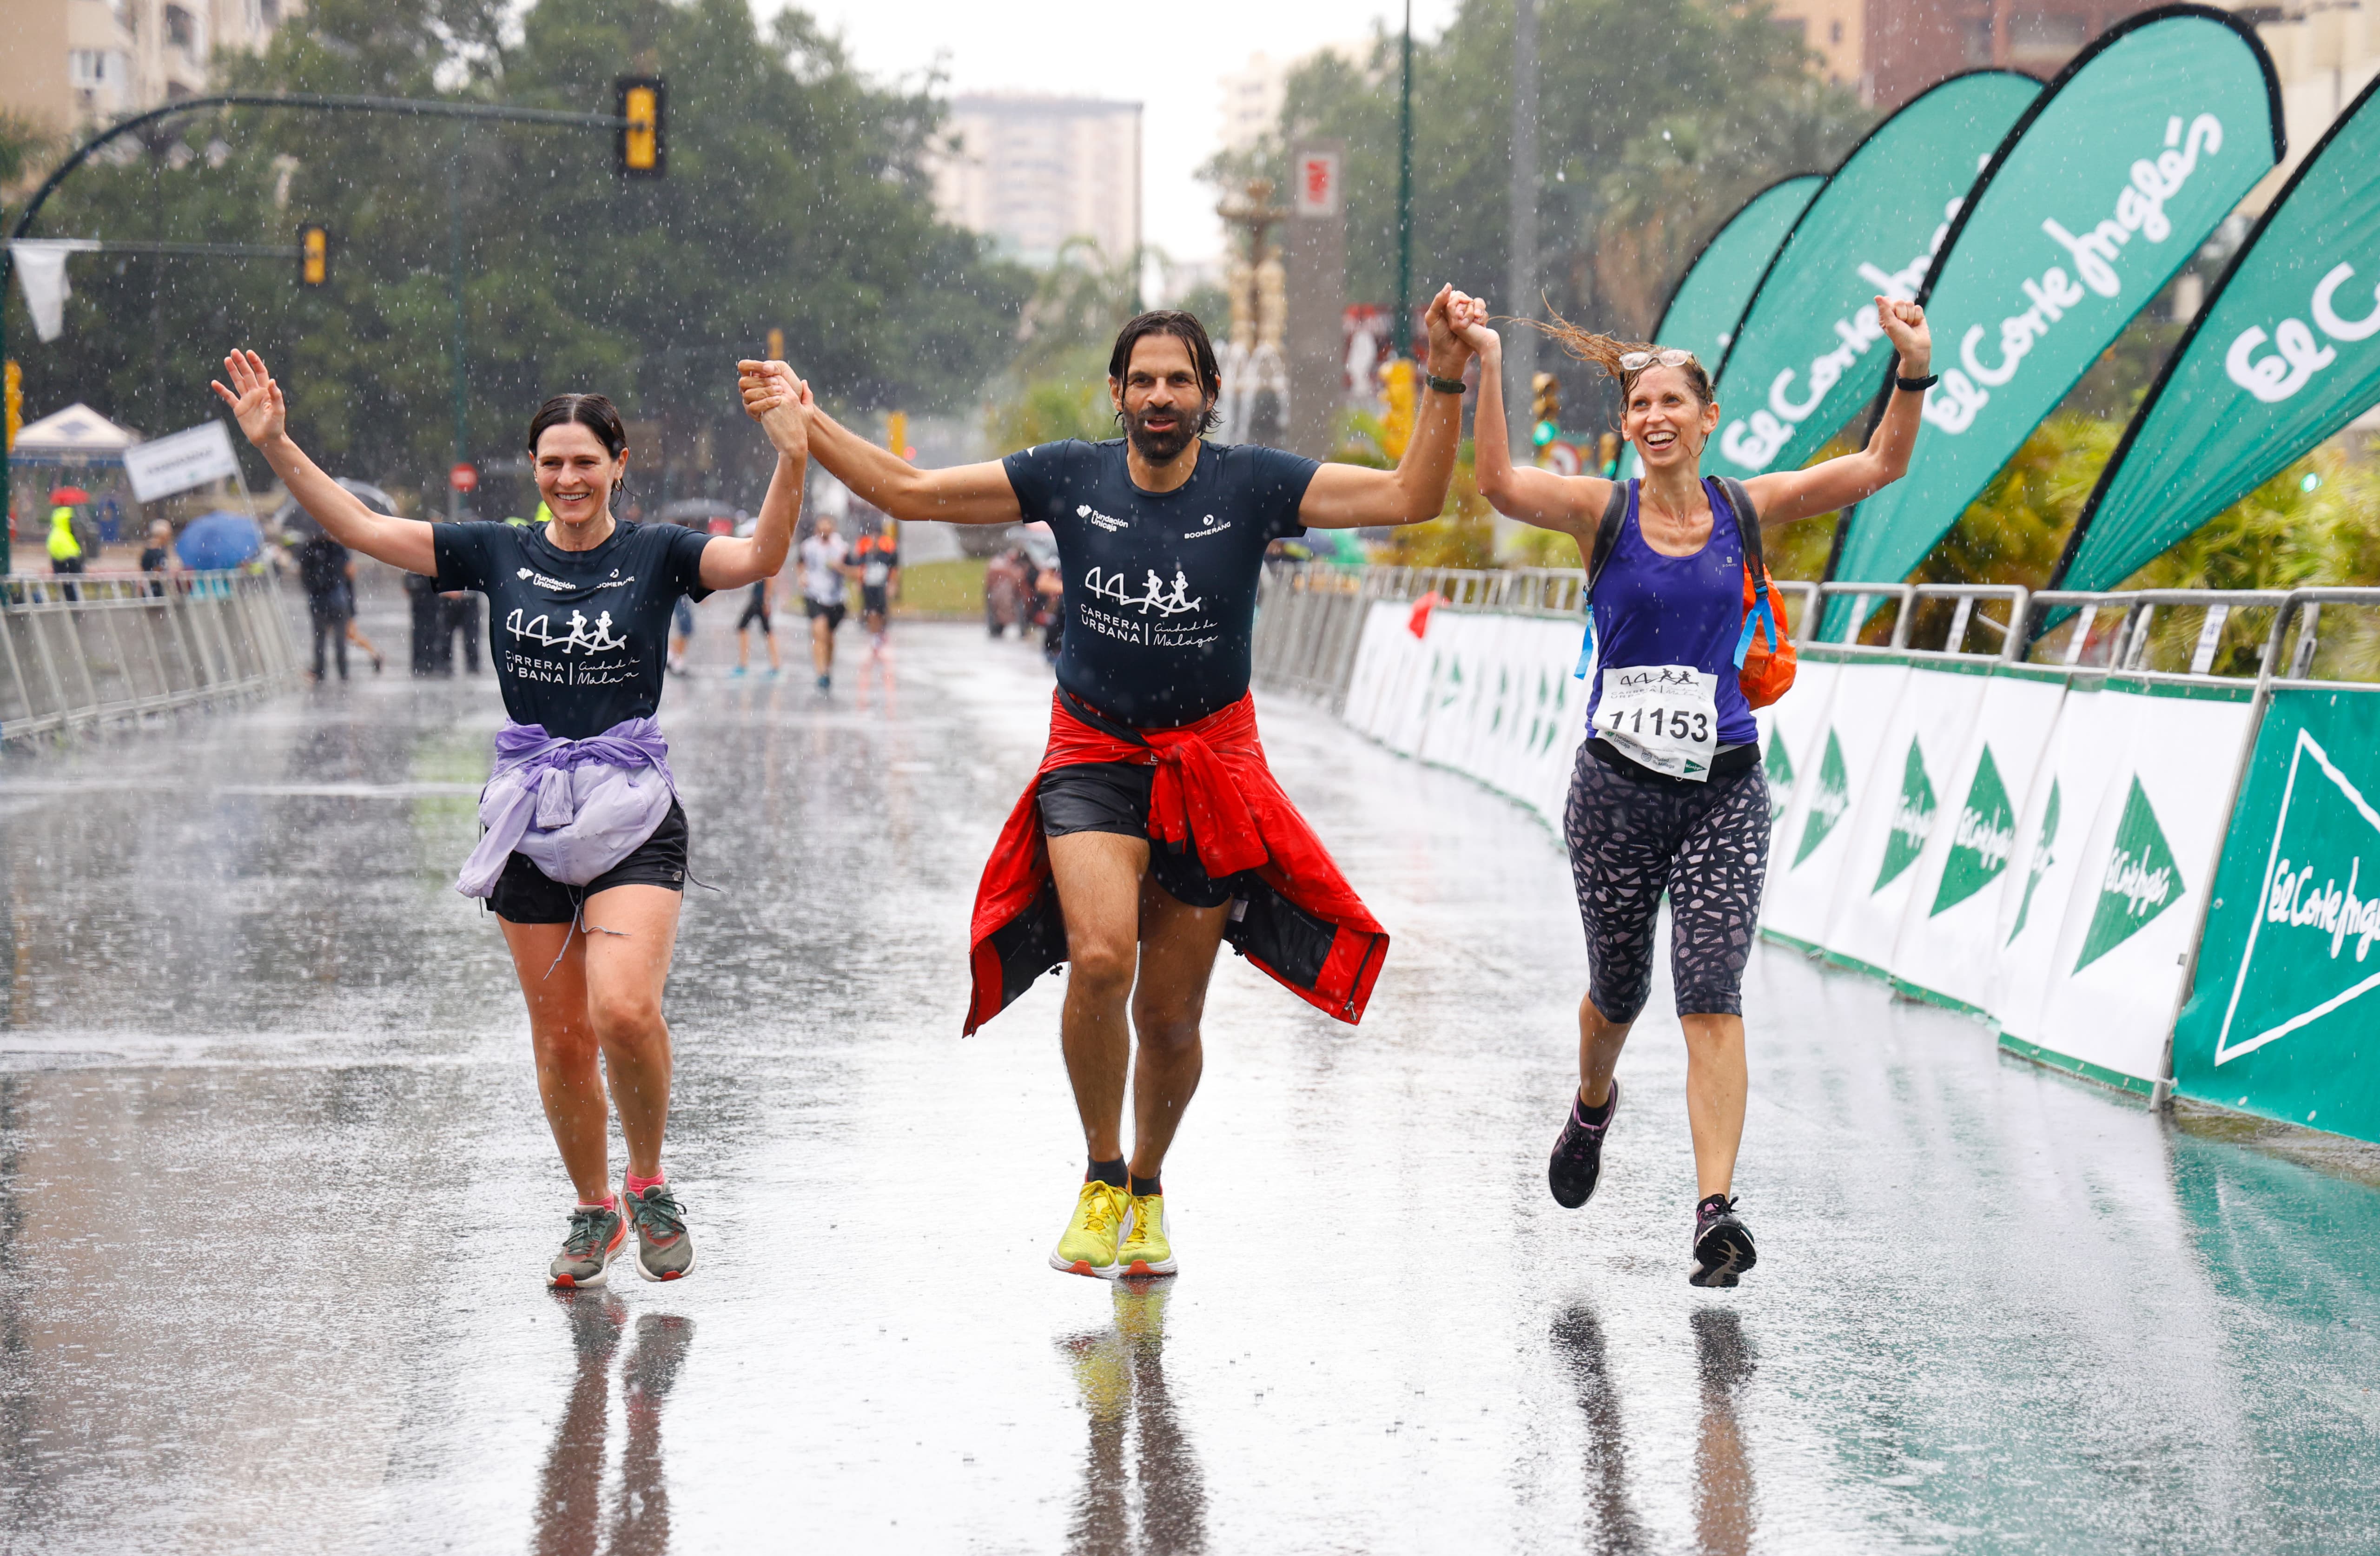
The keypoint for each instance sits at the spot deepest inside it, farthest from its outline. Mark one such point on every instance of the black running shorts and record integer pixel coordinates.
(1113, 796)
(1634, 835)
(755, 614)
(815, 609)
(871, 600)
(525, 894)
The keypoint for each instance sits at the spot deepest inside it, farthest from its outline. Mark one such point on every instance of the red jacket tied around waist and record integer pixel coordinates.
(1293, 913)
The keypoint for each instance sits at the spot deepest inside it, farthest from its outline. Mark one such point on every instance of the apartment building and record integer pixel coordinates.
(1031, 171)
(74, 64)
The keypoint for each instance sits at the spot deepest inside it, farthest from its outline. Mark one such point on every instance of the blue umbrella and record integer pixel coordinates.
(218, 541)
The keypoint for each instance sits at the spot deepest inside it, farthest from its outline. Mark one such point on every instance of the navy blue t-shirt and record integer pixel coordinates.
(1651, 609)
(579, 638)
(1160, 586)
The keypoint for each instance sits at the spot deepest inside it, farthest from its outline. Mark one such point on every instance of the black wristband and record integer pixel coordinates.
(1445, 386)
(1916, 385)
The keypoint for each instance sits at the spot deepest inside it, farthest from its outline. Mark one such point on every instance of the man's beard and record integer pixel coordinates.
(1163, 448)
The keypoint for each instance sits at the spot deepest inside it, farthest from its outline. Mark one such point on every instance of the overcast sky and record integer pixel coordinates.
(1170, 63)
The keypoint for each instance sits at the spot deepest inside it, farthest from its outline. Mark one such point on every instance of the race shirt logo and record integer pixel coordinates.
(1206, 527)
(530, 576)
(539, 629)
(1099, 519)
(1155, 595)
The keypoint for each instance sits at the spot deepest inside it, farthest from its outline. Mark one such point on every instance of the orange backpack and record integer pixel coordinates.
(1763, 669)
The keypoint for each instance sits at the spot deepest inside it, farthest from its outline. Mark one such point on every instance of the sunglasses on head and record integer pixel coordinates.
(1667, 356)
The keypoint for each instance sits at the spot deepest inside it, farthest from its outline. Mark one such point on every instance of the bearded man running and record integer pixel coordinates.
(1154, 829)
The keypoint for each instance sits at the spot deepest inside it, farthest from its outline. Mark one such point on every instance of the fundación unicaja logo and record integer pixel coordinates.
(2309, 952)
(2142, 880)
(1780, 779)
(2045, 855)
(1981, 840)
(1913, 819)
(1832, 797)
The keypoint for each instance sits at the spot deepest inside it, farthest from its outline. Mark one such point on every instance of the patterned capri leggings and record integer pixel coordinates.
(1633, 835)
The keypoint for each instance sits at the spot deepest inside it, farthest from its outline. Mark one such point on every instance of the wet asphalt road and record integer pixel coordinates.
(277, 1199)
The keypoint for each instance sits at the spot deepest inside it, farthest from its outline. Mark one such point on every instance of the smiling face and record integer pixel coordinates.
(575, 472)
(1160, 398)
(1667, 421)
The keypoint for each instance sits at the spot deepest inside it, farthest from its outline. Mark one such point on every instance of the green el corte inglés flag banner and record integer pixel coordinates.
(2122, 166)
(1702, 314)
(1801, 363)
(2284, 354)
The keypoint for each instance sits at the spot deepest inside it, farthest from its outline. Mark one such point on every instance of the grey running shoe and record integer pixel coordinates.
(664, 1251)
(1578, 1152)
(596, 1233)
(1723, 1248)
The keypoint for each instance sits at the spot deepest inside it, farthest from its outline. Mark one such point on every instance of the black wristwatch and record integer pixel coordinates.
(1445, 386)
(1916, 385)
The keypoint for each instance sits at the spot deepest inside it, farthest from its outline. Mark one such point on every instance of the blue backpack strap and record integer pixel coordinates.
(1607, 536)
(1762, 614)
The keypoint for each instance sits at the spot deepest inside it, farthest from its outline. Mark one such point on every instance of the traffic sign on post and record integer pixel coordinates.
(462, 478)
(644, 144)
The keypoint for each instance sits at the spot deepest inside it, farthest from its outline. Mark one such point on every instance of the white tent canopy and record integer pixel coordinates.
(79, 434)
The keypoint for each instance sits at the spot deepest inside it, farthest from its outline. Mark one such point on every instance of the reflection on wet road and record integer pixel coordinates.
(275, 1200)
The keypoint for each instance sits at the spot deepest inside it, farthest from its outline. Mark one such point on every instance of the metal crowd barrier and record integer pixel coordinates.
(81, 650)
(1310, 619)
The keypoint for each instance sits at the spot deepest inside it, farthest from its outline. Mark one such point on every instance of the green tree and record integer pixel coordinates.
(797, 198)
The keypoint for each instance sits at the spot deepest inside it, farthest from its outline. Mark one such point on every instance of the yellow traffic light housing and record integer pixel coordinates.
(776, 346)
(643, 150)
(1545, 408)
(313, 255)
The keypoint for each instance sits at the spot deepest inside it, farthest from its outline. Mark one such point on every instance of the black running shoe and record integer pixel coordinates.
(1578, 1154)
(1723, 1248)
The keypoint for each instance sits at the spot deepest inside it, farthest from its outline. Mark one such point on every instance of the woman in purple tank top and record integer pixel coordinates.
(1669, 796)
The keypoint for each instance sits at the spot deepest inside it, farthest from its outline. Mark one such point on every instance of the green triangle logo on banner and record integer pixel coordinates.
(2142, 880)
(1913, 819)
(1780, 778)
(1985, 837)
(2043, 855)
(1827, 805)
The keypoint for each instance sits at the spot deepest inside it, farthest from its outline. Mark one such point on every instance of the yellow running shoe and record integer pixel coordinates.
(1144, 1249)
(1089, 1245)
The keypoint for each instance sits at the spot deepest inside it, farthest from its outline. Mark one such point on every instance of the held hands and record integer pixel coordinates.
(1447, 348)
(1904, 325)
(779, 402)
(1469, 316)
(255, 398)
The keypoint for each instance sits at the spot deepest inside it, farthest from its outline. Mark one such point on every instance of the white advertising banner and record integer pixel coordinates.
(1787, 728)
(1806, 856)
(181, 460)
(2141, 883)
(1931, 721)
(2085, 746)
(1380, 654)
(1942, 954)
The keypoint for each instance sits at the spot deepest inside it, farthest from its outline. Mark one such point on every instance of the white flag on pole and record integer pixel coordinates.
(41, 268)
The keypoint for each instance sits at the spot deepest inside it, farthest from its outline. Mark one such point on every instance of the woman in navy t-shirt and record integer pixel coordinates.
(1669, 795)
(579, 612)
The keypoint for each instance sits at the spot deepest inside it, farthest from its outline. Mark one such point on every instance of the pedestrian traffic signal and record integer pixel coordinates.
(644, 141)
(1545, 408)
(313, 255)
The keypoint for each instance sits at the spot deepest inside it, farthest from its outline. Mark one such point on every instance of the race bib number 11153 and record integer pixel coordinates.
(1662, 716)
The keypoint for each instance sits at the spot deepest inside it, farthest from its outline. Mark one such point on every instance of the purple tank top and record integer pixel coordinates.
(1651, 609)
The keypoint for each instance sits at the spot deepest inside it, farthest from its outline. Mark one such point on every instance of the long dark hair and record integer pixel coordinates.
(1186, 328)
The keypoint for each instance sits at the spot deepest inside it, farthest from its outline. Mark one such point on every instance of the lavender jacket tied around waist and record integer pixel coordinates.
(575, 807)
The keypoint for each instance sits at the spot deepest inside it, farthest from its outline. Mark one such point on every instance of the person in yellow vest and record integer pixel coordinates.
(66, 550)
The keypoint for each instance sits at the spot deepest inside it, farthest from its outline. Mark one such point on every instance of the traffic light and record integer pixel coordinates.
(643, 150)
(1545, 408)
(776, 346)
(313, 255)
(896, 433)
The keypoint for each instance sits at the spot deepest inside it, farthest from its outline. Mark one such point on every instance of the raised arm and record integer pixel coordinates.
(1783, 496)
(962, 495)
(1350, 496)
(256, 399)
(731, 562)
(1571, 505)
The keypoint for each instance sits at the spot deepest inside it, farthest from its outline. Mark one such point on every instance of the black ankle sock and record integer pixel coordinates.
(1141, 1186)
(1584, 1115)
(1111, 1174)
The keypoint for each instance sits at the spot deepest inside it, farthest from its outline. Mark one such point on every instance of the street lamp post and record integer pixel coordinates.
(1404, 326)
